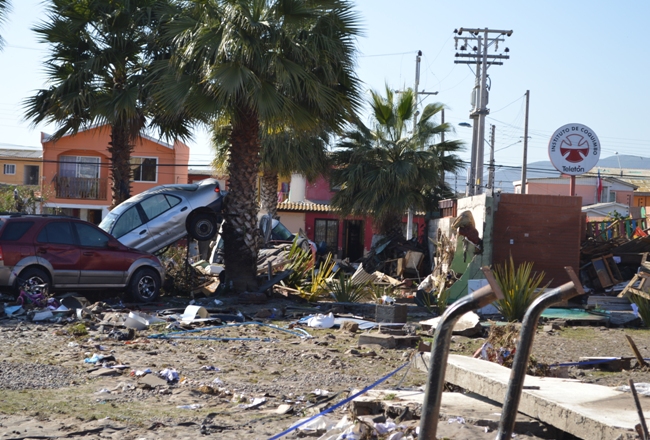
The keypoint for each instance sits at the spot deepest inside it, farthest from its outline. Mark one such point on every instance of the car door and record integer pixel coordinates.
(56, 244)
(131, 230)
(103, 262)
(166, 216)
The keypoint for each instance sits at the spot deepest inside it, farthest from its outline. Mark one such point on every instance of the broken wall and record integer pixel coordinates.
(467, 263)
(541, 229)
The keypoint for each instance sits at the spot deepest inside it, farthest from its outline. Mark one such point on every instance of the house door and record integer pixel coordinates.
(353, 239)
(31, 175)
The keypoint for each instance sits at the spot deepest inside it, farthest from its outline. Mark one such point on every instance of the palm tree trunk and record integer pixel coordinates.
(241, 236)
(269, 193)
(121, 147)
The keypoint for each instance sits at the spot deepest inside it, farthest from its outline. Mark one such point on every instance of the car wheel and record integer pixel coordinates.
(33, 275)
(202, 226)
(144, 285)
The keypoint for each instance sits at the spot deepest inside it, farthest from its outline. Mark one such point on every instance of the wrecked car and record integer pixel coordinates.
(66, 253)
(160, 216)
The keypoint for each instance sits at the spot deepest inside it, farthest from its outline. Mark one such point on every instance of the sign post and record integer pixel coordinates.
(574, 149)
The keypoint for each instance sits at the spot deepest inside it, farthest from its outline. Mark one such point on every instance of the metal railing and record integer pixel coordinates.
(80, 188)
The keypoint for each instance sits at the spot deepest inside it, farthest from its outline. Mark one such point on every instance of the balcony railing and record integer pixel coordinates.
(80, 188)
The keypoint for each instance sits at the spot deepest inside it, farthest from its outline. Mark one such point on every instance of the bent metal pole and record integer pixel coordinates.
(520, 362)
(440, 352)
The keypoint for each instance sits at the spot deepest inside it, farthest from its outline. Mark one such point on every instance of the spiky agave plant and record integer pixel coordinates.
(343, 289)
(520, 288)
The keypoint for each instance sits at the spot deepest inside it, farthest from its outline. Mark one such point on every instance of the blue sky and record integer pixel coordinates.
(583, 62)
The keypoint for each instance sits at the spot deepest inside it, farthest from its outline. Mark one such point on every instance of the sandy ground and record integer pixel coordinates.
(245, 381)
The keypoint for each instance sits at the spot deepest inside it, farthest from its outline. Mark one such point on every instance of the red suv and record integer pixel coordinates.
(71, 254)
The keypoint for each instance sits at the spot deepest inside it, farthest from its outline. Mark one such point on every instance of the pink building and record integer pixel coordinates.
(613, 189)
(306, 207)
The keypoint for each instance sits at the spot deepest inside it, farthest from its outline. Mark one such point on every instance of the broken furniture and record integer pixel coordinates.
(637, 285)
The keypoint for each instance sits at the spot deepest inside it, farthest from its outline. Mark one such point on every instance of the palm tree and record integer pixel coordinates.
(102, 71)
(266, 65)
(384, 171)
(5, 8)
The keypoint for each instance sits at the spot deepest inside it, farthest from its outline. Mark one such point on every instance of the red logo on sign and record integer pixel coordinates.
(574, 148)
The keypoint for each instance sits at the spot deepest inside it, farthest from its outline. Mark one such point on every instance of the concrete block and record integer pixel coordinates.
(393, 313)
(588, 411)
(386, 341)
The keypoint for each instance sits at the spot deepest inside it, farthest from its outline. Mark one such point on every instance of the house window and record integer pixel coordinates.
(327, 230)
(144, 169)
(79, 166)
(612, 196)
(10, 168)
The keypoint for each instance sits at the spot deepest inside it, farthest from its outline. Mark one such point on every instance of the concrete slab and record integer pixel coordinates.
(588, 411)
(474, 409)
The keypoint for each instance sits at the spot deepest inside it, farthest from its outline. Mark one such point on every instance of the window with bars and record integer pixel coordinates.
(327, 230)
(79, 166)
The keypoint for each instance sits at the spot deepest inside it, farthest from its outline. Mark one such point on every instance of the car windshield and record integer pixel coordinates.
(280, 232)
(108, 221)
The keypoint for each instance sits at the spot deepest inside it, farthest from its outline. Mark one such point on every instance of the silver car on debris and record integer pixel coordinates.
(160, 216)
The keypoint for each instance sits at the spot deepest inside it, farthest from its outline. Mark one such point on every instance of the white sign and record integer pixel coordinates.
(574, 149)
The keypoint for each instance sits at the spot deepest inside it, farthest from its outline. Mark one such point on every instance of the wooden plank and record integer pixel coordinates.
(636, 351)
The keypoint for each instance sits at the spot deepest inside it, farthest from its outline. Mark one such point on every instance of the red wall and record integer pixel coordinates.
(310, 218)
(319, 190)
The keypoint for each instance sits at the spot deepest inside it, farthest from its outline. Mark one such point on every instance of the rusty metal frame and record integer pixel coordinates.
(440, 352)
(520, 362)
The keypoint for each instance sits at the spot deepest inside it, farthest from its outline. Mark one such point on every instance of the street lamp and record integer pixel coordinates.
(619, 163)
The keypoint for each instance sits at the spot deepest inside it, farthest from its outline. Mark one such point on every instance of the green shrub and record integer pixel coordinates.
(520, 288)
(315, 287)
(299, 263)
(344, 290)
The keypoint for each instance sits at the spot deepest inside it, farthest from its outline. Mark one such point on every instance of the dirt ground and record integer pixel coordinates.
(239, 382)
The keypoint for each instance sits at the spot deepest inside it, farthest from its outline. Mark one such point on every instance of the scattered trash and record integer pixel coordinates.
(95, 358)
(13, 310)
(140, 321)
(642, 388)
(467, 325)
(321, 321)
(192, 406)
(256, 403)
(210, 368)
(170, 374)
(194, 314)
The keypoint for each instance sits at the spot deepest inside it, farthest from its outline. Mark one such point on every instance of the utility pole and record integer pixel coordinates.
(442, 141)
(523, 166)
(409, 218)
(491, 167)
(478, 45)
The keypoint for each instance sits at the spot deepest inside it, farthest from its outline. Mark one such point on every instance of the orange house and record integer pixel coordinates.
(77, 173)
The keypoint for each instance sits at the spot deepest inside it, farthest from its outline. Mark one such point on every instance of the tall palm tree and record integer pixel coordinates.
(267, 63)
(102, 70)
(384, 171)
